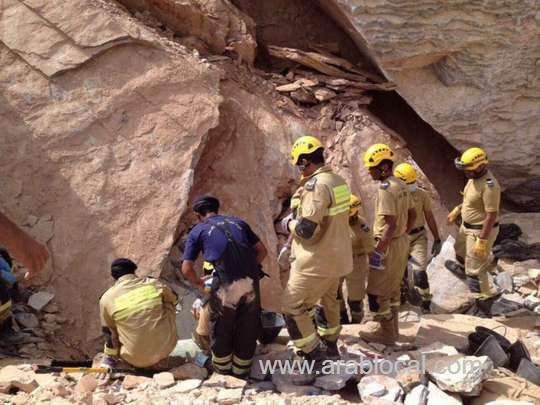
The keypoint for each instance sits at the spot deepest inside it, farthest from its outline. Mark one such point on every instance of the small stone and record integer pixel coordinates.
(460, 374)
(224, 381)
(13, 376)
(438, 397)
(40, 299)
(534, 274)
(324, 94)
(87, 384)
(417, 396)
(409, 378)
(230, 396)
(27, 320)
(531, 302)
(50, 327)
(164, 380)
(60, 391)
(51, 318)
(521, 279)
(189, 371)
(304, 96)
(187, 385)
(505, 282)
(133, 381)
(52, 308)
(113, 399)
(379, 386)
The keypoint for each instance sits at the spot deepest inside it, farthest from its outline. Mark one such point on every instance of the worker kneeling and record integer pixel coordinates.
(138, 319)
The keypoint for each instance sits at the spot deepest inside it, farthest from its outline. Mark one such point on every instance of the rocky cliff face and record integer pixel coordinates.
(468, 68)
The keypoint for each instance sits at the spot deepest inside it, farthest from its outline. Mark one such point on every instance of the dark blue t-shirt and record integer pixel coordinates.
(211, 241)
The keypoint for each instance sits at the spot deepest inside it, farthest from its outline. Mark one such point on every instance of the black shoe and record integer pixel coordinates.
(426, 307)
(332, 351)
(455, 268)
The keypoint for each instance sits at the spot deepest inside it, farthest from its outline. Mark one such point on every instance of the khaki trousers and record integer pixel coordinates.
(384, 286)
(475, 268)
(299, 307)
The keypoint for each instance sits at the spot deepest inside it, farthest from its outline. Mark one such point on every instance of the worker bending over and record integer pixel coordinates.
(138, 320)
(394, 216)
(235, 252)
(321, 253)
(418, 257)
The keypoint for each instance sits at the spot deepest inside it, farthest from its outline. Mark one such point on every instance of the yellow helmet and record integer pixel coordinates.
(471, 159)
(376, 154)
(304, 146)
(354, 205)
(405, 172)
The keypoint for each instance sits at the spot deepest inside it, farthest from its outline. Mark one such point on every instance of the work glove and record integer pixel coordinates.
(284, 224)
(283, 257)
(376, 260)
(480, 248)
(454, 214)
(196, 308)
(436, 248)
(108, 363)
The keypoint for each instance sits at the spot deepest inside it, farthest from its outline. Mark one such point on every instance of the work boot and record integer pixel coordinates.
(384, 334)
(482, 307)
(332, 351)
(426, 307)
(318, 356)
(357, 317)
(456, 268)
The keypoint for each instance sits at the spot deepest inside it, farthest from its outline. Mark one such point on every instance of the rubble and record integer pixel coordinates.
(39, 300)
(187, 385)
(436, 396)
(379, 386)
(460, 374)
(189, 371)
(164, 380)
(230, 396)
(417, 396)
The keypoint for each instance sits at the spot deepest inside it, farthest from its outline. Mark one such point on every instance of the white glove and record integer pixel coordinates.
(196, 308)
(283, 257)
(284, 224)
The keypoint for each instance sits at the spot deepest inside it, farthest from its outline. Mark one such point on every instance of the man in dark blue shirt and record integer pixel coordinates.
(234, 301)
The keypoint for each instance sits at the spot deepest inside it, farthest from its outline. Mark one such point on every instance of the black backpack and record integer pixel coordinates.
(238, 259)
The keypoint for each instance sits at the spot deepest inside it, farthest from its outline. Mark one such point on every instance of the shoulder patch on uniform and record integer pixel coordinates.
(310, 185)
(490, 183)
(384, 185)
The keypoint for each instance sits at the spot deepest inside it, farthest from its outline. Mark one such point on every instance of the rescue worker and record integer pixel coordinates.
(394, 216)
(7, 283)
(138, 320)
(362, 244)
(235, 252)
(321, 253)
(479, 228)
(418, 257)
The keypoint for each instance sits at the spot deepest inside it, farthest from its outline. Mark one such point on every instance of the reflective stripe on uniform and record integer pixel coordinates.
(239, 371)
(222, 367)
(224, 359)
(241, 362)
(137, 300)
(305, 341)
(342, 197)
(110, 351)
(327, 331)
(5, 310)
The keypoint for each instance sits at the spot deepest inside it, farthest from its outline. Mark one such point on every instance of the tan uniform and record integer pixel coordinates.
(362, 244)
(383, 288)
(480, 196)
(418, 250)
(321, 253)
(141, 316)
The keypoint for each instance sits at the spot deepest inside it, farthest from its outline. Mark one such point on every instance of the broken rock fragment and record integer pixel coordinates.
(39, 300)
(379, 386)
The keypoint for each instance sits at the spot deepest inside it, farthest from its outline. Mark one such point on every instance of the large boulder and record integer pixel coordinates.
(468, 68)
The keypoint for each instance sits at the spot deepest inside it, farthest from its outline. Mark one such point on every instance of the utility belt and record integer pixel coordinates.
(477, 227)
(416, 230)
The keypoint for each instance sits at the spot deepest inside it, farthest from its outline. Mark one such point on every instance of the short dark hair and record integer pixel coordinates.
(122, 266)
(205, 204)
(316, 157)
